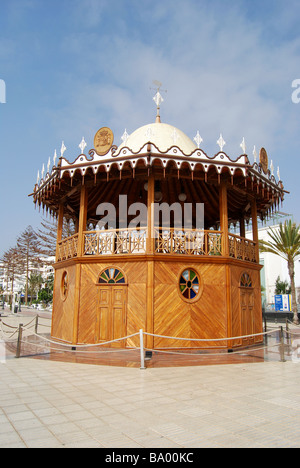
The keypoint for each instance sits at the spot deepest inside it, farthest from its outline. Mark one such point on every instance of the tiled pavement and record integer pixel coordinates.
(59, 404)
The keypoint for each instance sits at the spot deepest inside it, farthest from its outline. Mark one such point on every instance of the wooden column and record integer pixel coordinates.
(242, 228)
(59, 228)
(81, 230)
(255, 228)
(150, 222)
(224, 218)
(82, 219)
(150, 265)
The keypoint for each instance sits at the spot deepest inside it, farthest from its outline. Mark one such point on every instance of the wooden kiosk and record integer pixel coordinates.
(112, 281)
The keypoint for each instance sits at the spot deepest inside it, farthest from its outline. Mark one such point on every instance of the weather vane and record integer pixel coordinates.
(158, 99)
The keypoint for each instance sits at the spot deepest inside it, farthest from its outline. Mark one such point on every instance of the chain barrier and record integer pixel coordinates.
(72, 348)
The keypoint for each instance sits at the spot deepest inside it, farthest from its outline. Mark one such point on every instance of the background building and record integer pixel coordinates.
(273, 265)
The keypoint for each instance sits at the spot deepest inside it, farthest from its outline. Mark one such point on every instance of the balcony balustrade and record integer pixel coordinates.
(167, 241)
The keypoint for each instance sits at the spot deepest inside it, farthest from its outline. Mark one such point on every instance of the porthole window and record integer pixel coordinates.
(65, 285)
(246, 281)
(190, 285)
(111, 276)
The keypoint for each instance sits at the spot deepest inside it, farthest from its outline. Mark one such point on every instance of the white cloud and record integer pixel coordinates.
(220, 74)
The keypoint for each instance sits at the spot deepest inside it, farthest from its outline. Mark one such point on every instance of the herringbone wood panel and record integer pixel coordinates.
(175, 317)
(63, 311)
(135, 274)
(217, 313)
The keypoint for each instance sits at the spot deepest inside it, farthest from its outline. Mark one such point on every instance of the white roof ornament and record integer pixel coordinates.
(38, 178)
(82, 145)
(198, 139)
(221, 142)
(278, 173)
(272, 168)
(158, 99)
(54, 158)
(255, 154)
(43, 171)
(63, 149)
(125, 137)
(243, 146)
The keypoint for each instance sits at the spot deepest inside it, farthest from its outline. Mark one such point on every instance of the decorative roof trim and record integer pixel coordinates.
(148, 154)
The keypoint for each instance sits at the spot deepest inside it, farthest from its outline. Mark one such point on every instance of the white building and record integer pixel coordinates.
(275, 266)
(45, 270)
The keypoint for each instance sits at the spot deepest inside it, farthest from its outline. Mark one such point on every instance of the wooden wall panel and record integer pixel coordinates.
(175, 317)
(136, 275)
(63, 311)
(215, 315)
(236, 273)
(88, 304)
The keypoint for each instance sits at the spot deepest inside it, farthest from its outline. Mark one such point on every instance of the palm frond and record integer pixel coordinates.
(284, 242)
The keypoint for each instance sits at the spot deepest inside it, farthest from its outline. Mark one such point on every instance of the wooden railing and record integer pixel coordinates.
(115, 241)
(242, 249)
(167, 241)
(188, 241)
(68, 248)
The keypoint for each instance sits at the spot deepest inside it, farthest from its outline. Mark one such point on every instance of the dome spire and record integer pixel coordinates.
(158, 99)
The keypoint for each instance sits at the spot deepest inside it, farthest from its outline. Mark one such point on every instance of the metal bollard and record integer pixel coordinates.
(18, 353)
(36, 324)
(142, 352)
(288, 335)
(282, 357)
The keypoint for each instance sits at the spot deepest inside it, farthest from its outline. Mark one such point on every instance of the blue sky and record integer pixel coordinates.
(73, 66)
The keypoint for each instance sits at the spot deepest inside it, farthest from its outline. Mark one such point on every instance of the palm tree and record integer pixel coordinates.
(285, 242)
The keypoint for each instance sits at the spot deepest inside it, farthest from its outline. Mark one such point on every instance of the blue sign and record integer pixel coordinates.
(283, 302)
(278, 303)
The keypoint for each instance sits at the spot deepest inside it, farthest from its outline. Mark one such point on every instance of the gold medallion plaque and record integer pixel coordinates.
(264, 161)
(103, 140)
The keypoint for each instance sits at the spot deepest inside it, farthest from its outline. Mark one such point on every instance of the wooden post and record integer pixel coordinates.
(82, 219)
(224, 218)
(150, 264)
(142, 351)
(59, 228)
(242, 228)
(255, 229)
(282, 356)
(150, 205)
(18, 353)
(81, 230)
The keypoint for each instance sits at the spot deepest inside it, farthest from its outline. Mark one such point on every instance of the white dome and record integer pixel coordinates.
(162, 135)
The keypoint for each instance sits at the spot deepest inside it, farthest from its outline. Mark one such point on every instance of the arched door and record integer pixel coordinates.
(111, 313)
(247, 309)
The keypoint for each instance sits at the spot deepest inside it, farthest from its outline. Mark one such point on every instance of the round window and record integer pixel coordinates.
(189, 284)
(64, 285)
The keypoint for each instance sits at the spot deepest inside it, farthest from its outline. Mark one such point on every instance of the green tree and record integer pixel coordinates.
(285, 242)
(13, 266)
(34, 285)
(282, 287)
(29, 251)
(47, 234)
(45, 294)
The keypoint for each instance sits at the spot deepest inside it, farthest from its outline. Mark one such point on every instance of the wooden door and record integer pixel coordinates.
(111, 319)
(247, 314)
